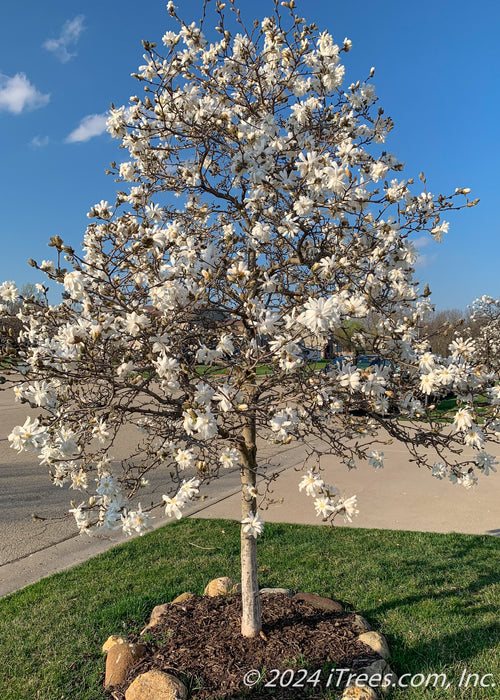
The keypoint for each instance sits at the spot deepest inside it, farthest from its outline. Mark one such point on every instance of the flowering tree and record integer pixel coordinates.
(259, 214)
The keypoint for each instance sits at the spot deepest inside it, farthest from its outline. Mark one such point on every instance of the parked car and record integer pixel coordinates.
(336, 362)
(312, 355)
(364, 361)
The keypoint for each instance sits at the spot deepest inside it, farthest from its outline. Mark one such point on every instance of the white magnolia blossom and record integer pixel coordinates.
(348, 507)
(189, 489)
(230, 458)
(462, 349)
(108, 486)
(74, 284)
(8, 292)
(323, 506)
(225, 344)
(494, 394)
(251, 491)
(27, 437)
(463, 419)
(253, 525)
(439, 470)
(312, 483)
(100, 431)
(204, 394)
(185, 458)
(38, 393)
(376, 459)
(350, 377)
(79, 480)
(205, 425)
(486, 462)
(134, 323)
(174, 506)
(468, 480)
(428, 383)
(283, 422)
(82, 517)
(474, 437)
(320, 315)
(135, 521)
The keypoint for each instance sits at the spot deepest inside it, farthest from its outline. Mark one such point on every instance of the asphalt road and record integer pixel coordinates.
(26, 491)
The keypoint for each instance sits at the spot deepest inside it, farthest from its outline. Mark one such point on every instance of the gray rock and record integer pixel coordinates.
(380, 676)
(156, 615)
(272, 591)
(360, 625)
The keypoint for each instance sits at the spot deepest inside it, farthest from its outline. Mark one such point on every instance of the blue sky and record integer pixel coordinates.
(63, 63)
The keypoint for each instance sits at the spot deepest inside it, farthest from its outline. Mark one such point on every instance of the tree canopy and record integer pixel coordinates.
(259, 211)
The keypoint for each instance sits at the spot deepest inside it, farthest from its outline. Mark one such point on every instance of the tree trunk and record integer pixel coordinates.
(251, 617)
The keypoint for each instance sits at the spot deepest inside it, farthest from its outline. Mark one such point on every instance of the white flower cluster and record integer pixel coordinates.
(484, 462)
(283, 423)
(175, 504)
(28, 437)
(136, 521)
(9, 294)
(327, 501)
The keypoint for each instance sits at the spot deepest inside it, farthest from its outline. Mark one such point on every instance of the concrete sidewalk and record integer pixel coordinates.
(399, 497)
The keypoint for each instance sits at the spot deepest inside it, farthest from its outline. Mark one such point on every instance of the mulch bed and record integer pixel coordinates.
(199, 641)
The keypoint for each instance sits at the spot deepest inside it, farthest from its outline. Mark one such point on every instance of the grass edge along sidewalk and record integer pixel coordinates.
(436, 597)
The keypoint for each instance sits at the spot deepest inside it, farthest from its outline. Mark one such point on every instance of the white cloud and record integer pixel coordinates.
(70, 33)
(424, 260)
(90, 126)
(17, 94)
(423, 241)
(39, 141)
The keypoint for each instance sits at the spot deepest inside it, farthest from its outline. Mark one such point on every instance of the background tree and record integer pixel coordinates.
(258, 208)
(443, 326)
(484, 329)
(12, 301)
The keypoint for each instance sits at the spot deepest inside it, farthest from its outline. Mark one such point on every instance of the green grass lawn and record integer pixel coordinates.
(446, 408)
(435, 597)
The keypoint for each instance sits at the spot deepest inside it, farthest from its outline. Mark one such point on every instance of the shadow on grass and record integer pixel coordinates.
(438, 584)
(462, 648)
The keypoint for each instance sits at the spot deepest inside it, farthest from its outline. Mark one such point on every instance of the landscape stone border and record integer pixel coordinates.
(371, 682)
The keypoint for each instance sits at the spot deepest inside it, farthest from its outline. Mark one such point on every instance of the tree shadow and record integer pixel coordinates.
(475, 587)
(445, 594)
(456, 649)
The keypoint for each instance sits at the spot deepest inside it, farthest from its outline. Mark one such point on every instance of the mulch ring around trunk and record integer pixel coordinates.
(199, 642)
